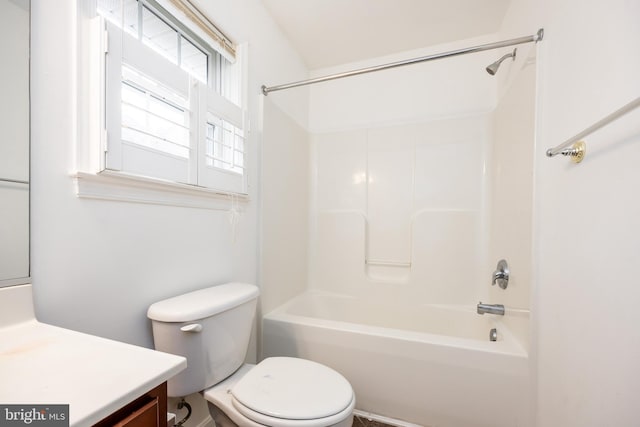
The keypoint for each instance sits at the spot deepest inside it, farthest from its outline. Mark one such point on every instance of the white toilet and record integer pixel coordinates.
(211, 328)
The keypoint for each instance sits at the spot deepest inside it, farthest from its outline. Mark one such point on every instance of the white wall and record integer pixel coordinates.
(98, 265)
(284, 208)
(455, 86)
(587, 216)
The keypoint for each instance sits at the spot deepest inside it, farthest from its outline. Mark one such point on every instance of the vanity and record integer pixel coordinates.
(99, 379)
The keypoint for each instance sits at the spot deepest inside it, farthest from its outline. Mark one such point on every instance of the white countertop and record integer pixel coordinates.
(44, 364)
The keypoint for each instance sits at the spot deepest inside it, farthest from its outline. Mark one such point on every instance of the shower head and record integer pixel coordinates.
(492, 68)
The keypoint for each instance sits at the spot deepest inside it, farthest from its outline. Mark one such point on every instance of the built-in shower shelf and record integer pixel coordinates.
(386, 263)
(388, 271)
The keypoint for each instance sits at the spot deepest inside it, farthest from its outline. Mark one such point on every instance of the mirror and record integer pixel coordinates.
(14, 142)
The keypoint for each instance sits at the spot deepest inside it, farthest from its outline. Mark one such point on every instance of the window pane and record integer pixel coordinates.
(193, 60)
(239, 142)
(238, 160)
(225, 146)
(140, 80)
(227, 139)
(159, 36)
(158, 33)
(117, 10)
(212, 143)
(152, 120)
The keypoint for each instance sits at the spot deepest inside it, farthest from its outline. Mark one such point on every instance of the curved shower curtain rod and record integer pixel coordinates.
(520, 40)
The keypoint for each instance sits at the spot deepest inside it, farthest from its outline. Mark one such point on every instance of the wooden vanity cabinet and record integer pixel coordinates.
(149, 410)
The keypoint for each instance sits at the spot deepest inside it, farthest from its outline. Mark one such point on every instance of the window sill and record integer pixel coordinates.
(118, 186)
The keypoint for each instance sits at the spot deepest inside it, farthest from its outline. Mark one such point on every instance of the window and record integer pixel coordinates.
(171, 100)
(225, 145)
(153, 116)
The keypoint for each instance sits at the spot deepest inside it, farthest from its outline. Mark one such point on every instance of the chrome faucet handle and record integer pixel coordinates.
(501, 275)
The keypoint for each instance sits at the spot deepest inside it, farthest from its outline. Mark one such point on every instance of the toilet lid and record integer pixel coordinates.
(294, 389)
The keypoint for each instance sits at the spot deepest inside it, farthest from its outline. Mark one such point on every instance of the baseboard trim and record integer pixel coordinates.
(384, 420)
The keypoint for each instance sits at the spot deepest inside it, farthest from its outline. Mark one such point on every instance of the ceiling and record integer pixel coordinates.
(333, 32)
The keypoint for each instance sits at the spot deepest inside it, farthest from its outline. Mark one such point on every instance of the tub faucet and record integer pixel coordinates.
(491, 309)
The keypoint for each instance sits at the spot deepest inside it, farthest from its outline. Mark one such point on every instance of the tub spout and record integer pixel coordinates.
(491, 309)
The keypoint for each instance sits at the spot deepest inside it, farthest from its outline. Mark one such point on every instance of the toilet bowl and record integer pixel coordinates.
(282, 392)
(211, 328)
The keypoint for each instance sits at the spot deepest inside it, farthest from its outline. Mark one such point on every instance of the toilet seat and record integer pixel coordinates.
(286, 391)
(267, 377)
(283, 422)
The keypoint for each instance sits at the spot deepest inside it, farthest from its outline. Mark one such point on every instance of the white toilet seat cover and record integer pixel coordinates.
(293, 389)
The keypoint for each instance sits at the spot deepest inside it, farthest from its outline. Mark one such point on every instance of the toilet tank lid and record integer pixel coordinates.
(202, 303)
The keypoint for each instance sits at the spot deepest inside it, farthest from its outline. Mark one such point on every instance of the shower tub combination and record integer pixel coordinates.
(411, 363)
(430, 365)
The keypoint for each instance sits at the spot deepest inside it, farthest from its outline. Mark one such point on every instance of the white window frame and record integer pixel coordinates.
(121, 48)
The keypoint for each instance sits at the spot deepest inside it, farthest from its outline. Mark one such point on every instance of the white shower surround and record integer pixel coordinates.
(399, 178)
(400, 212)
(431, 365)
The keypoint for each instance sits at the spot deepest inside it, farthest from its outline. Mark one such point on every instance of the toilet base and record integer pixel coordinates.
(219, 417)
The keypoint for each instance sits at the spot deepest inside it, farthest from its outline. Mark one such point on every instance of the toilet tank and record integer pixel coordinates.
(210, 327)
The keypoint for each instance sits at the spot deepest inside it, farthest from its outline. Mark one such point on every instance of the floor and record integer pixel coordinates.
(365, 422)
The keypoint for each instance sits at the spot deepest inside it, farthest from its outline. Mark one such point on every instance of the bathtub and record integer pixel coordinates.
(429, 365)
